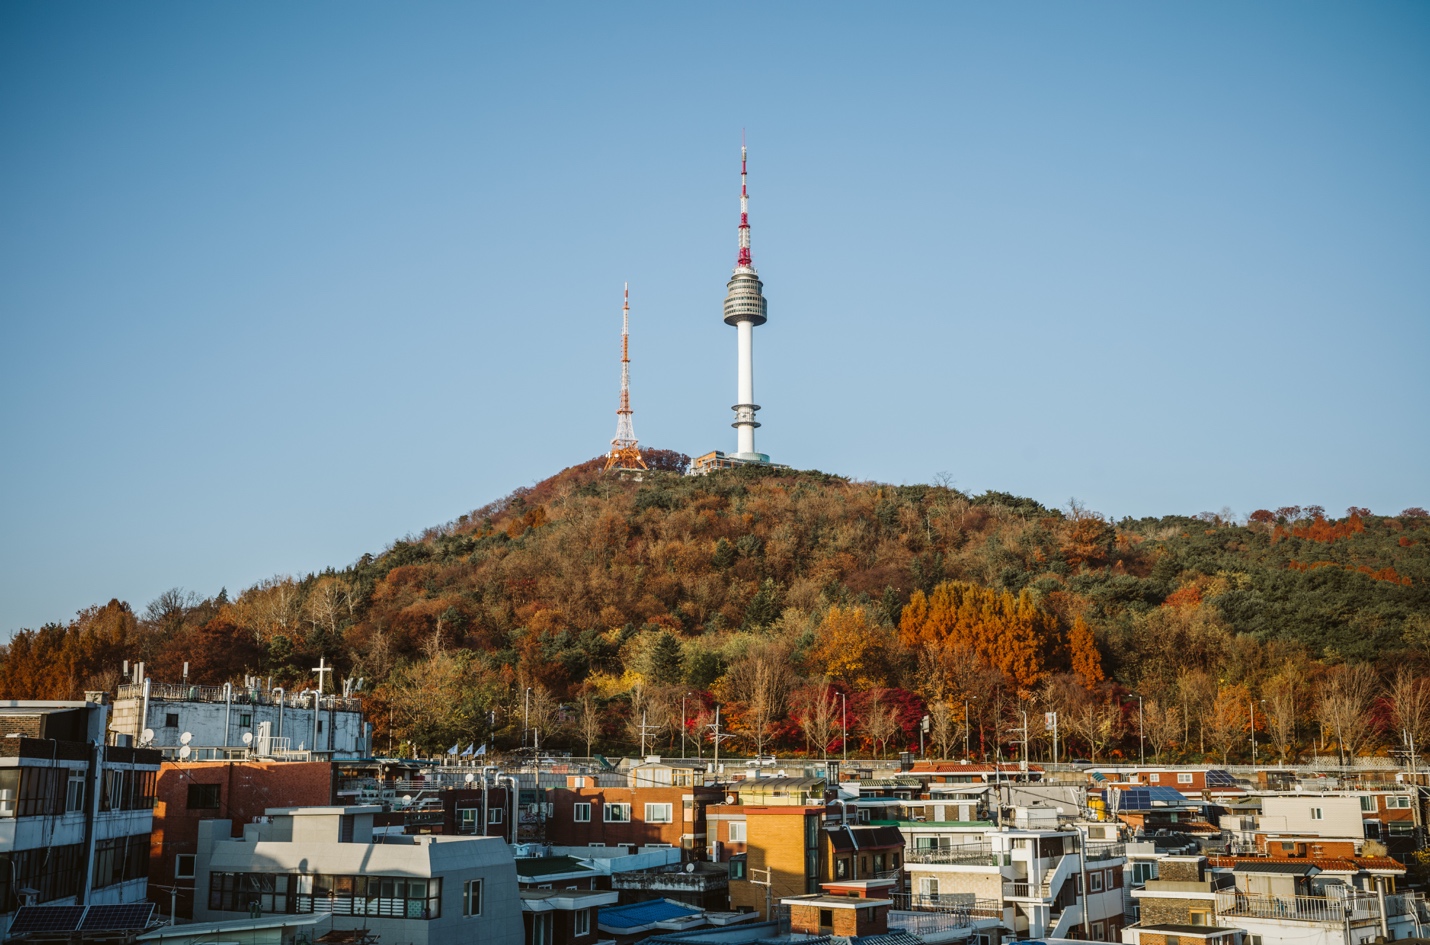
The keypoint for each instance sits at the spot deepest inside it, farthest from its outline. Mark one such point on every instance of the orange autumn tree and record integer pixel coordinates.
(1010, 633)
(1084, 655)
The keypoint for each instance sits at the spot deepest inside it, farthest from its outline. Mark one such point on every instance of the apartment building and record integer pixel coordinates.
(1275, 901)
(781, 859)
(427, 890)
(660, 805)
(75, 814)
(1043, 882)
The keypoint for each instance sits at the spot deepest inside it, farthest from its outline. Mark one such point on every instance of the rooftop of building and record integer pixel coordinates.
(530, 867)
(1326, 864)
(863, 837)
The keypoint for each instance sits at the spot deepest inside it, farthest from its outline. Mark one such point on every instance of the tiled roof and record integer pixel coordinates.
(1326, 864)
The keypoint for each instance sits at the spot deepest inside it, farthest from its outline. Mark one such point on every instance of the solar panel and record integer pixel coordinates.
(118, 918)
(46, 919)
(1219, 778)
(1145, 798)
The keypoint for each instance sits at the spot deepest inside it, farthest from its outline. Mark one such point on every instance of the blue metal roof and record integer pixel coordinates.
(644, 913)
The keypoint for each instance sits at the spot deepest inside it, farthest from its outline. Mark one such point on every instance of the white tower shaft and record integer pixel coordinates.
(745, 308)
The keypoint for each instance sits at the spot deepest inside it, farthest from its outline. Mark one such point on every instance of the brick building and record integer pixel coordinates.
(584, 814)
(849, 910)
(785, 841)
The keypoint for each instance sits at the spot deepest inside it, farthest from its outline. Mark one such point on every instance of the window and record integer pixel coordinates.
(1107, 880)
(737, 831)
(120, 860)
(1095, 882)
(658, 814)
(184, 866)
(1141, 872)
(494, 815)
(1184, 777)
(826, 918)
(581, 813)
(1316, 814)
(245, 720)
(737, 867)
(472, 897)
(616, 813)
(581, 922)
(1097, 931)
(171, 720)
(305, 893)
(467, 819)
(928, 890)
(541, 929)
(1367, 803)
(841, 868)
(203, 796)
(74, 793)
(1398, 803)
(1201, 917)
(1154, 777)
(1400, 828)
(320, 726)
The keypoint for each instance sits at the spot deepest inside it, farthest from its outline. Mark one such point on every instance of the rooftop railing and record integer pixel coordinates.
(1026, 891)
(1297, 908)
(1105, 851)
(954, 904)
(179, 692)
(967, 855)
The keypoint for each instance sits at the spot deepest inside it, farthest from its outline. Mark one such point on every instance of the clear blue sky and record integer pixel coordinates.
(280, 283)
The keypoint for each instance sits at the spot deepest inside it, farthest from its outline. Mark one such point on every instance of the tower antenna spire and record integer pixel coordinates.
(625, 451)
(742, 261)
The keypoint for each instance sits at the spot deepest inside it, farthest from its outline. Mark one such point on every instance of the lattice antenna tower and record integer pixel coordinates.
(625, 450)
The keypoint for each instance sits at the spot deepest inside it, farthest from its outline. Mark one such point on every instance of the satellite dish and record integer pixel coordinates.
(185, 738)
(147, 737)
(248, 738)
(689, 867)
(471, 778)
(186, 751)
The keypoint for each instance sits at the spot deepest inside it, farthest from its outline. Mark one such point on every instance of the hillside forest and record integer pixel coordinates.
(812, 609)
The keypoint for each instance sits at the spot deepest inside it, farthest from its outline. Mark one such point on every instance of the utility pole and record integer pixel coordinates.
(682, 726)
(769, 883)
(1253, 733)
(1141, 737)
(965, 729)
(526, 717)
(1051, 719)
(844, 725)
(1025, 739)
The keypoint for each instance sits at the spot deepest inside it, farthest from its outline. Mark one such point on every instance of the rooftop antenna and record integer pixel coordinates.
(625, 451)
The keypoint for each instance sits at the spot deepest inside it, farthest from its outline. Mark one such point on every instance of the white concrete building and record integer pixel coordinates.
(423, 890)
(297, 726)
(1039, 881)
(75, 814)
(1319, 815)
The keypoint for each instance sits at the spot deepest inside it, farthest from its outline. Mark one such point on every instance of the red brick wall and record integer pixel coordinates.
(246, 790)
(563, 830)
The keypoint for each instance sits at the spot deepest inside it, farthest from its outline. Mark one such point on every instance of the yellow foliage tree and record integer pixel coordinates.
(850, 649)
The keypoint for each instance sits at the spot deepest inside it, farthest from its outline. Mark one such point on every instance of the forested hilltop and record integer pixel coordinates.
(785, 596)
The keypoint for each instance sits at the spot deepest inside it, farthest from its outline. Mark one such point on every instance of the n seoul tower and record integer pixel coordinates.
(745, 308)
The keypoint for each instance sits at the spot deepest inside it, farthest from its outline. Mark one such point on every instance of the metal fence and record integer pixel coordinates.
(1026, 891)
(953, 904)
(969, 855)
(1105, 851)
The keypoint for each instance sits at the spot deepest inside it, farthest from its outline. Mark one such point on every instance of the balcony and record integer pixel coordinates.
(1026, 891)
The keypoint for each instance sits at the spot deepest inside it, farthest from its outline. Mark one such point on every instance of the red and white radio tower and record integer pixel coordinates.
(625, 451)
